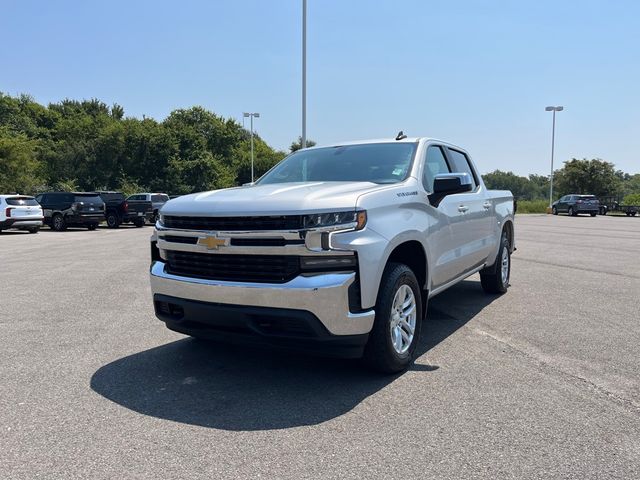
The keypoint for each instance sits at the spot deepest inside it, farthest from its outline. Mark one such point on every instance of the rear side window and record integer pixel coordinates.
(136, 197)
(107, 197)
(157, 198)
(435, 164)
(461, 165)
(22, 201)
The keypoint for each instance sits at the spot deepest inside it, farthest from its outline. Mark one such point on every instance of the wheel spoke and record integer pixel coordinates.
(407, 326)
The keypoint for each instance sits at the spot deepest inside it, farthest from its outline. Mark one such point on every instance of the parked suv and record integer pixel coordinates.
(77, 209)
(157, 201)
(119, 210)
(21, 212)
(573, 205)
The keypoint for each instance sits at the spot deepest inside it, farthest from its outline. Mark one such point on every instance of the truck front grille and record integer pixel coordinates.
(242, 268)
(231, 224)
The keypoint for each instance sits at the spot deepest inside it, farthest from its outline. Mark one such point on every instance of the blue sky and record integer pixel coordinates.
(478, 74)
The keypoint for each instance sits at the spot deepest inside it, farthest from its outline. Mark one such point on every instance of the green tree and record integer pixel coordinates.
(632, 199)
(595, 177)
(297, 145)
(20, 171)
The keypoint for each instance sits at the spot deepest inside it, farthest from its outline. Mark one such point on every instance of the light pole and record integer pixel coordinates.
(553, 141)
(252, 115)
(303, 143)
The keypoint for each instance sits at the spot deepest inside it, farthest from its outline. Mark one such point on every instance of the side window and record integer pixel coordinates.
(461, 165)
(434, 164)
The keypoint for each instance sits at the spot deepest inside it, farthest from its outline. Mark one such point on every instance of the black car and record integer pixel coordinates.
(119, 210)
(76, 209)
(573, 205)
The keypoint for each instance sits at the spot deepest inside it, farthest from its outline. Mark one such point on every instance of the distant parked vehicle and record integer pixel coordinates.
(574, 205)
(613, 204)
(77, 209)
(20, 212)
(119, 210)
(157, 200)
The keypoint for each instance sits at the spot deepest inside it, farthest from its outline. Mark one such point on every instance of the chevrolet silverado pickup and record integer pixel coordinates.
(336, 248)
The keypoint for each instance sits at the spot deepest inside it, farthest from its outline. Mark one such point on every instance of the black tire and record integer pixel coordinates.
(492, 279)
(58, 223)
(554, 210)
(593, 214)
(154, 217)
(139, 222)
(633, 214)
(380, 353)
(571, 212)
(113, 220)
(92, 226)
(33, 229)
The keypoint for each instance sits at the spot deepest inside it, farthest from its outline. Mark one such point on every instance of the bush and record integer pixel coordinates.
(632, 199)
(532, 206)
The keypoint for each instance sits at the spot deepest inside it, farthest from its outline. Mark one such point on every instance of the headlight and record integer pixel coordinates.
(319, 220)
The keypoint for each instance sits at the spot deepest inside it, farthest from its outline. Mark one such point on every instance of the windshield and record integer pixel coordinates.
(374, 162)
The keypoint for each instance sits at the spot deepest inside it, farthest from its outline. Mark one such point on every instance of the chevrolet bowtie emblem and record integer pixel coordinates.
(212, 243)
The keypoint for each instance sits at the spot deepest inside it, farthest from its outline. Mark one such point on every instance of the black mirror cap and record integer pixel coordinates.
(449, 184)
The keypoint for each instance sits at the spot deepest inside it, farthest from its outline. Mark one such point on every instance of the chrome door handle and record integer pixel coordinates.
(462, 208)
(486, 205)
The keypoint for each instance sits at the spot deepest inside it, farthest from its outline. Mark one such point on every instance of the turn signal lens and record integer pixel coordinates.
(361, 220)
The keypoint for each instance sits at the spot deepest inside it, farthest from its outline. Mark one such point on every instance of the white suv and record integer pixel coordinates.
(21, 212)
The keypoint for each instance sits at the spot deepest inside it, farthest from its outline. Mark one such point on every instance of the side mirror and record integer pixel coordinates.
(449, 184)
(248, 184)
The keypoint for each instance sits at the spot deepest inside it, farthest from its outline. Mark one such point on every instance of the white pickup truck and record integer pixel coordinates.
(336, 248)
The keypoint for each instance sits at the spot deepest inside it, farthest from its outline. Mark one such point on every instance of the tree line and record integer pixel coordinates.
(594, 177)
(88, 145)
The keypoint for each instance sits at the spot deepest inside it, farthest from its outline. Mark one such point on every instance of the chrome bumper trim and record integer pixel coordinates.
(324, 295)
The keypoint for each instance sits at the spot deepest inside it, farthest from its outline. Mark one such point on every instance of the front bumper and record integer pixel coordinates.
(324, 296)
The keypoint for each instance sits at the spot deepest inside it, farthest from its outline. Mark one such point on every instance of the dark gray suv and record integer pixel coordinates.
(573, 205)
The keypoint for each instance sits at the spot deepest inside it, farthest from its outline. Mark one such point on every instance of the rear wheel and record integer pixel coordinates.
(139, 222)
(34, 229)
(58, 223)
(571, 212)
(92, 226)
(496, 279)
(593, 214)
(554, 210)
(396, 330)
(113, 221)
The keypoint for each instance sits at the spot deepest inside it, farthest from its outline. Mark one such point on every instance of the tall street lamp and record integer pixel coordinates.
(553, 140)
(252, 115)
(303, 143)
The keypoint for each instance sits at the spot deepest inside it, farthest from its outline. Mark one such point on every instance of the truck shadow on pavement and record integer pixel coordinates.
(235, 388)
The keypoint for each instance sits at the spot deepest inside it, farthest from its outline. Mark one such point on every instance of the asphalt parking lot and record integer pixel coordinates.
(543, 382)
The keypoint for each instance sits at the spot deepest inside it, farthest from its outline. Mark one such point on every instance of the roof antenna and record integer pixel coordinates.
(401, 135)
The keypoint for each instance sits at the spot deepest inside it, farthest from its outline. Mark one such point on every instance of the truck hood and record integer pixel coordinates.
(276, 199)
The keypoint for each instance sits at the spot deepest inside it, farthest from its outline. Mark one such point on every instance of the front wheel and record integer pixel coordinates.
(554, 210)
(92, 226)
(593, 214)
(571, 212)
(496, 278)
(396, 330)
(139, 222)
(34, 229)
